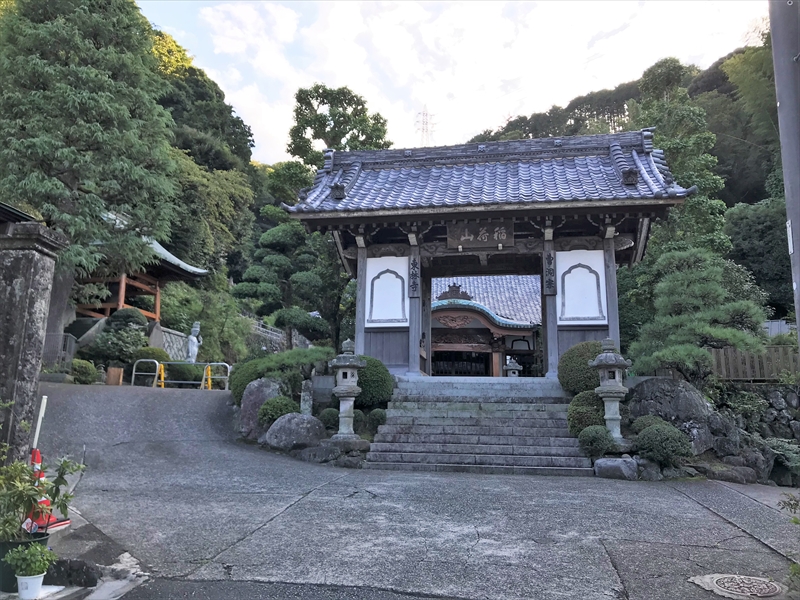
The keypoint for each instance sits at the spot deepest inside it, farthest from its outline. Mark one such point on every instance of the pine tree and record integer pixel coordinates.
(84, 141)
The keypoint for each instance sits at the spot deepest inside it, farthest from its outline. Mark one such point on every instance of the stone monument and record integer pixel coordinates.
(610, 365)
(194, 342)
(306, 397)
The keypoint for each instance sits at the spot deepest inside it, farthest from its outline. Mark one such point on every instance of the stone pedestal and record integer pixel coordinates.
(346, 420)
(27, 264)
(612, 414)
(306, 398)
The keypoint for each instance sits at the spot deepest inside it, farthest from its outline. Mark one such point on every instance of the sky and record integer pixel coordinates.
(472, 64)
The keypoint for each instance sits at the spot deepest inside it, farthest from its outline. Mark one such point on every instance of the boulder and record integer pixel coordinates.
(318, 454)
(760, 460)
(678, 472)
(748, 474)
(770, 415)
(678, 403)
(776, 400)
(782, 431)
(781, 475)
(349, 462)
(255, 394)
(795, 426)
(616, 468)
(294, 432)
(724, 446)
(734, 461)
(729, 475)
(648, 470)
(792, 400)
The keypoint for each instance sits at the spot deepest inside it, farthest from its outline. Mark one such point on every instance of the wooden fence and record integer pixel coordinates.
(733, 364)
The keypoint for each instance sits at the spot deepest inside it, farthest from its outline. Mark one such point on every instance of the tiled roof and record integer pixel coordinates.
(619, 166)
(515, 298)
(9, 214)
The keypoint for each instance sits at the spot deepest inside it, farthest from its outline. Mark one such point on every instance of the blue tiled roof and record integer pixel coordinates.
(519, 172)
(513, 298)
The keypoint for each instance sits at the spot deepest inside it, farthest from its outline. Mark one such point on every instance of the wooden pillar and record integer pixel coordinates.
(497, 363)
(157, 301)
(426, 323)
(414, 307)
(121, 294)
(549, 304)
(612, 300)
(361, 295)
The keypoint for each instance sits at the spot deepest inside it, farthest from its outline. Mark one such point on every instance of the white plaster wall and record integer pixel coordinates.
(387, 292)
(581, 297)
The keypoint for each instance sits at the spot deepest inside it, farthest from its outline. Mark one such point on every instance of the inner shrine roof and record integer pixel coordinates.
(514, 299)
(524, 173)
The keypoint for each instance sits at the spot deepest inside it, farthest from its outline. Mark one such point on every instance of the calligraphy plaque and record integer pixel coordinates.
(413, 278)
(549, 272)
(481, 235)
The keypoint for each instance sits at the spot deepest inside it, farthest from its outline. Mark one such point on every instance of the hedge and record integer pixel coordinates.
(646, 421)
(596, 441)
(83, 372)
(376, 384)
(330, 418)
(274, 408)
(585, 409)
(664, 444)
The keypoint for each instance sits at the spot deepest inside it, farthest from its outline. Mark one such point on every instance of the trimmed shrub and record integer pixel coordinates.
(114, 348)
(574, 373)
(359, 421)
(376, 384)
(581, 417)
(187, 372)
(274, 408)
(83, 372)
(330, 418)
(596, 441)
(124, 318)
(664, 444)
(585, 409)
(289, 367)
(646, 421)
(376, 418)
(149, 353)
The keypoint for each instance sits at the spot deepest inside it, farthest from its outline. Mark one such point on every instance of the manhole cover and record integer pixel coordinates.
(738, 586)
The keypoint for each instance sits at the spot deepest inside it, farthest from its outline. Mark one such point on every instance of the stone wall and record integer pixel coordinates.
(780, 416)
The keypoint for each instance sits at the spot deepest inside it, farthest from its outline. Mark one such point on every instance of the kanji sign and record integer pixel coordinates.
(413, 278)
(549, 272)
(481, 234)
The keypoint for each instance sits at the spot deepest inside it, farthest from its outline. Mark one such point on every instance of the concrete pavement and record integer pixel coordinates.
(211, 517)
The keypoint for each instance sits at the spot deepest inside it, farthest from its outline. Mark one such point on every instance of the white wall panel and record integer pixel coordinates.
(387, 292)
(581, 298)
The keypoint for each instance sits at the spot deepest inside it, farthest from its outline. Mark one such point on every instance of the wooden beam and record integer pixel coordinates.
(550, 321)
(361, 298)
(486, 348)
(89, 313)
(157, 302)
(612, 300)
(150, 289)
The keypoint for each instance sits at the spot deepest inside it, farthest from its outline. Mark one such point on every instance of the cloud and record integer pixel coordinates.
(473, 64)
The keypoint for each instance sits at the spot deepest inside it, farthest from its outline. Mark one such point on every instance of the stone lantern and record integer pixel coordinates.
(512, 368)
(611, 365)
(346, 366)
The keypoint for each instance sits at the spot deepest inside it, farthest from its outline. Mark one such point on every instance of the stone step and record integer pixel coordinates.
(504, 460)
(482, 469)
(475, 430)
(489, 408)
(497, 440)
(413, 419)
(431, 448)
(462, 396)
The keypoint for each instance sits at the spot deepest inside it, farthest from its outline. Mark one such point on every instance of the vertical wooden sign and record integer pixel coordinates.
(413, 277)
(549, 271)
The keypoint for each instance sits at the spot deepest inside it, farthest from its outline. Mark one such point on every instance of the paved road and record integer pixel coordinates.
(210, 517)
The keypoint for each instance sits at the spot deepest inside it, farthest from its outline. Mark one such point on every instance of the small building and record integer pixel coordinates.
(479, 323)
(567, 209)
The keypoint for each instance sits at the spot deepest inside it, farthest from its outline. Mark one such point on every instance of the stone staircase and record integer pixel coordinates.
(478, 425)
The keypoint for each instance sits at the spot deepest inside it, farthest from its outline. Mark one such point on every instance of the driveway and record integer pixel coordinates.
(211, 517)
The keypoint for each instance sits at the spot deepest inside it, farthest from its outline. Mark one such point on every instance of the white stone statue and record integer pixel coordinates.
(195, 341)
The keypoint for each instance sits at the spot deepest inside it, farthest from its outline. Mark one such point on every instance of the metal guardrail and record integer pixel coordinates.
(159, 377)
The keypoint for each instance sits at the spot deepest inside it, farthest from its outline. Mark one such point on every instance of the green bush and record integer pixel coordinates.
(330, 418)
(126, 318)
(289, 367)
(581, 417)
(376, 418)
(664, 444)
(149, 353)
(376, 384)
(646, 421)
(185, 372)
(29, 560)
(274, 408)
(574, 372)
(596, 441)
(359, 421)
(83, 372)
(114, 348)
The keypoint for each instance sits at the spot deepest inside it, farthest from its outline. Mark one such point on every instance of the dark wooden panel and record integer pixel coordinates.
(568, 337)
(390, 346)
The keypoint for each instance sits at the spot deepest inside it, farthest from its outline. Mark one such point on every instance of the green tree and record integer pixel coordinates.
(758, 235)
(336, 117)
(694, 312)
(84, 141)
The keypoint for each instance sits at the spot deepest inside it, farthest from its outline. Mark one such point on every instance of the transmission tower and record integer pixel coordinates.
(425, 127)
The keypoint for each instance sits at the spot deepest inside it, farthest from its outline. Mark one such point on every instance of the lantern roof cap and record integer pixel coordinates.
(609, 357)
